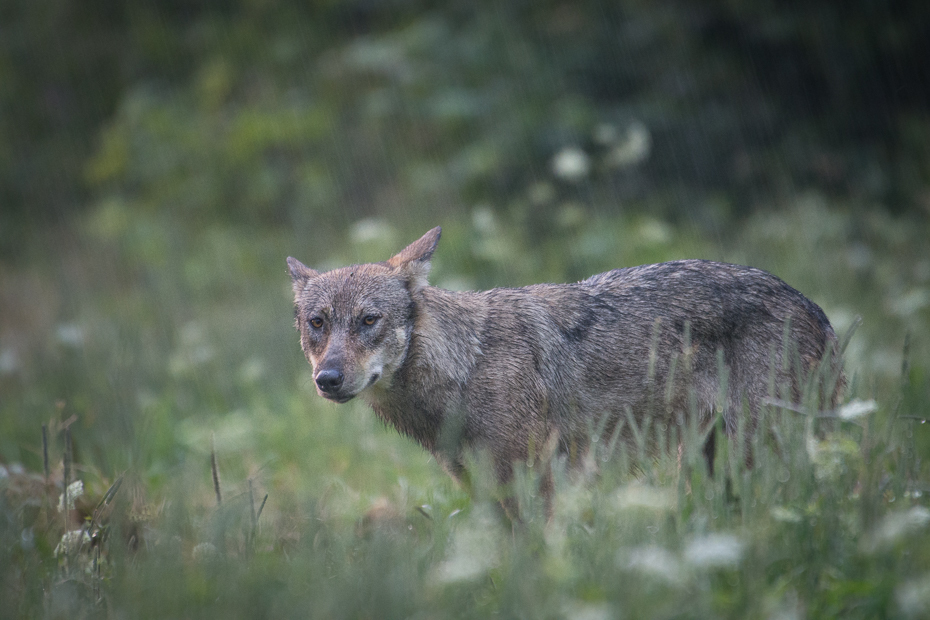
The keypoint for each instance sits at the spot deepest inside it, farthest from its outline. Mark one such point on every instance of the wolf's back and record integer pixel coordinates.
(653, 340)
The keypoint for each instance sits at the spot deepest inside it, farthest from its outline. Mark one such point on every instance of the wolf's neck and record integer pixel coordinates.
(443, 348)
(446, 339)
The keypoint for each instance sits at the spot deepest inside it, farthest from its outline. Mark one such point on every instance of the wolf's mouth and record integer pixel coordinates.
(337, 398)
(343, 397)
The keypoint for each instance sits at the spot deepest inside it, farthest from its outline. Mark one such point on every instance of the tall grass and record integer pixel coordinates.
(819, 527)
(187, 407)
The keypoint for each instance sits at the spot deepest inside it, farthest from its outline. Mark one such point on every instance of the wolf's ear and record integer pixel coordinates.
(414, 259)
(300, 274)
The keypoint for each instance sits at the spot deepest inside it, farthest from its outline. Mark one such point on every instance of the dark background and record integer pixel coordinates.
(275, 113)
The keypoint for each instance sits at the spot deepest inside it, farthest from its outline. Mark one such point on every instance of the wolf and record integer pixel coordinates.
(511, 370)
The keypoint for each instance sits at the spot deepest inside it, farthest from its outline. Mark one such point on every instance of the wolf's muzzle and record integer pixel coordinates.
(330, 381)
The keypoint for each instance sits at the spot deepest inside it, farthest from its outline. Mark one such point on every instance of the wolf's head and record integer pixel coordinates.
(355, 322)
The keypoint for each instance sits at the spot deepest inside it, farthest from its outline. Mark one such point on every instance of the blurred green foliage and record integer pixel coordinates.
(290, 113)
(158, 161)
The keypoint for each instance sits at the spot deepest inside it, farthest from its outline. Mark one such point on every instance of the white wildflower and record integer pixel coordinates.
(475, 550)
(9, 361)
(856, 409)
(643, 496)
(204, 551)
(785, 514)
(913, 597)
(654, 561)
(372, 230)
(70, 334)
(714, 551)
(72, 541)
(895, 527)
(579, 610)
(75, 490)
(571, 164)
(635, 147)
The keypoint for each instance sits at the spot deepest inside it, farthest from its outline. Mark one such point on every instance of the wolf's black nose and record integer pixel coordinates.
(329, 381)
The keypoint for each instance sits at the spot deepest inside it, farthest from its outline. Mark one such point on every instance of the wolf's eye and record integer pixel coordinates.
(316, 322)
(370, 319)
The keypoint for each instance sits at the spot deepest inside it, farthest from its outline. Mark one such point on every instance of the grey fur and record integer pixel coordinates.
(513, 368)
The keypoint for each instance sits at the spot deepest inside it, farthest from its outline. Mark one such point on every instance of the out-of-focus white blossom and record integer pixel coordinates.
(571, 164)
(75, 490)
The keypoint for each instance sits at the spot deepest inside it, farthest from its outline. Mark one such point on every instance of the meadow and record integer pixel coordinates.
(166, 353)
(163, 452)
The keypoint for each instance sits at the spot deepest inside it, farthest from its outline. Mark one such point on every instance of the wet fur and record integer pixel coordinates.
(510, 370)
